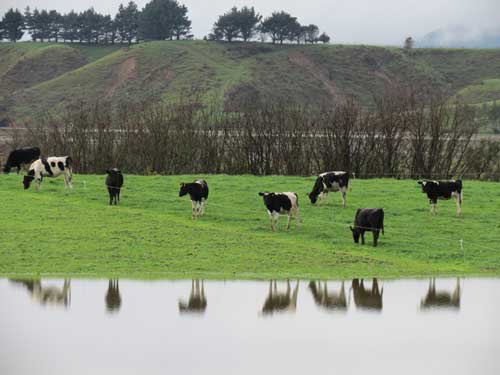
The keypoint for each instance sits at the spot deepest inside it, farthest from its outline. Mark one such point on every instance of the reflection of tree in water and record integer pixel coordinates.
(48, 295)
(113, 298)
(328, 300)
(277, 301)
(197, 302)
(367, 298)
(440, 299)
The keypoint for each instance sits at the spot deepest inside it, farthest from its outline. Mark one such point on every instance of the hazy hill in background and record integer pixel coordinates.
(460, 37)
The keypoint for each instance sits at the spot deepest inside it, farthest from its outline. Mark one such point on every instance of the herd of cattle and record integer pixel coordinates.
(277, 203)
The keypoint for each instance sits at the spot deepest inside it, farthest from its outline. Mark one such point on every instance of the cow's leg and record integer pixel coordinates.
(433, 207)
(118, 195)
(68, 177)
(18, 168)
(362, 236)
(375, 237)
(38, 184)
(271, 220)
(297, 217)
(110, 198)
(458, 199)
(344, 196)
(193, 210)
(289, 217)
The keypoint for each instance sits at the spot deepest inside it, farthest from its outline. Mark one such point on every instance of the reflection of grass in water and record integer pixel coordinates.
(152, 235)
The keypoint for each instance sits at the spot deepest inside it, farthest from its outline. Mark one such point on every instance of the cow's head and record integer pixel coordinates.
(27, 181)
(313, 197)
(427, 185)
(355, 233)
(316, 191)
(6, 168)
(183, 190)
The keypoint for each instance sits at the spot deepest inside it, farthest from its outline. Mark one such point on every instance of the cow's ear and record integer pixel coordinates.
(182, 184)
(108, 171)
(352, 230)
(420, 182)
(261, 194)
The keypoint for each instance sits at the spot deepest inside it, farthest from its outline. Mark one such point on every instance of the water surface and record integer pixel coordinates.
(369, 326)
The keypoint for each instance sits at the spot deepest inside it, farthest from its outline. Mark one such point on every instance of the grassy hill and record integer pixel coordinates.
(36, 77)
(151, 233)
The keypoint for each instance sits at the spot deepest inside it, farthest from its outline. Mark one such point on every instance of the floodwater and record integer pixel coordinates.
(446, 326)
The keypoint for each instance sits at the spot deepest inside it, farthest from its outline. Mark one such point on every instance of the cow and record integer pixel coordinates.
(443, 189)
(328, 300)
(113, 298)
(48, 295)
(281, 203)
(198, 192)
(441, 299)
(367, 298)
(21, 156)
(327, 182)
(368, 219)
(280, 302)
(114, 183)
(52, 166)
(197, 302)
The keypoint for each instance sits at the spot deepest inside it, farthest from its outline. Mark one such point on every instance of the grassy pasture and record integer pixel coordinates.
(151, 234)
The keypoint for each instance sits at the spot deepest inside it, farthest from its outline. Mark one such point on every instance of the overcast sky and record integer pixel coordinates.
(346, 21)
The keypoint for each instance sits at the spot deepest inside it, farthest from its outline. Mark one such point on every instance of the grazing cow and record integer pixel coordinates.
(327, 182)
(113, 298)
(443, 190)
(114, 183)
(198, 192)
(50, 167)
(328, 300)
(280, 302)
(281, 203)
(197, 302)
(50, 295)
(368, 219)
(367, 298)
(441, 299)
(21, 156)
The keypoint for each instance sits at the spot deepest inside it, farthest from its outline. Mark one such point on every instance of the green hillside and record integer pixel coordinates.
(36, 77)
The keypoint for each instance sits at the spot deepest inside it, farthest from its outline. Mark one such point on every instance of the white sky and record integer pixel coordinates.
(346, 21)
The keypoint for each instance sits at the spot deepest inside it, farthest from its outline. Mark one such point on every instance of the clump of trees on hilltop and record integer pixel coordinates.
(280, 26)
(158, 20)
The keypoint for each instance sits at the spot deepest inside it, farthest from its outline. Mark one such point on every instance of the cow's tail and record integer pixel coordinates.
(382, 226)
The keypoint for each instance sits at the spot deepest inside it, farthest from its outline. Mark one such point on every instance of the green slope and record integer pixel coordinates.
(36, 77)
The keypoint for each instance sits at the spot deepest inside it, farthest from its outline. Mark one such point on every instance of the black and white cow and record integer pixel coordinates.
(281, 203)
(327, 182)
(114, 183)
(198, 192)
(368, 219)
(444, 189)
(52, 166)
(21, 156)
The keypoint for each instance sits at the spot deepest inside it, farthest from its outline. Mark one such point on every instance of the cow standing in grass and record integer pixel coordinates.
(443, 189)
(281, 203)
(114, 183)
(21, 156)
(198, 192)
(330, 182)
(368, 220)
(49, 167)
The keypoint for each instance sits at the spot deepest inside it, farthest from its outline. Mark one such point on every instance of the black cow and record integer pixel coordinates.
(114, 183)
(21, 156)
(197, 302)
(444, 189)
(327, 182)
(281, 203)
(198, 192)
(365, 298)
(368, 219)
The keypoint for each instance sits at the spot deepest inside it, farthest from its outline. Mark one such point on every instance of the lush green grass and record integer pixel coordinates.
(36, 77)
(151, 233)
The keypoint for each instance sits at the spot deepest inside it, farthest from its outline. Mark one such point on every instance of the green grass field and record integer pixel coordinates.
(151, 234)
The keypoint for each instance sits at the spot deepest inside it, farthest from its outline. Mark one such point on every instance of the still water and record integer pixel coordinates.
(442, 326)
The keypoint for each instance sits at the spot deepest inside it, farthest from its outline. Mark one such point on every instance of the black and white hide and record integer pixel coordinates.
(52, 166)
(198, 192)
(329, 182)
(443, 189)
(281, 204)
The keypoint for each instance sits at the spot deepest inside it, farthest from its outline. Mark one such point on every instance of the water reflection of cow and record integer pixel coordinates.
(279, 301)
(113, 298)
(367, 298)
(197, 302)
(440, 299)
(326, 299)
(48, 295)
